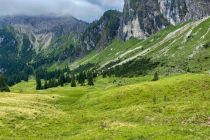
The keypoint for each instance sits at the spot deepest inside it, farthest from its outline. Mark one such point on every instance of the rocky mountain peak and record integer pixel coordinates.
(141, 18)
(46, 24)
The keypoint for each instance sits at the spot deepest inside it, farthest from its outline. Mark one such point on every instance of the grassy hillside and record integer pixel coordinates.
(110, 53)
(174, 107)
(180, 48)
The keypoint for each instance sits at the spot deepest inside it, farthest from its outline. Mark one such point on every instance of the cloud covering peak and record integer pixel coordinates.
(88, 10)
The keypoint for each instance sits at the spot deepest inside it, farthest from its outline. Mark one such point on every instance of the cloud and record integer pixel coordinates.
(88, 10)
(107, 4)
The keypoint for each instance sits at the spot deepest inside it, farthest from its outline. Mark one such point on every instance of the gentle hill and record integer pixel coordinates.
(174, 107)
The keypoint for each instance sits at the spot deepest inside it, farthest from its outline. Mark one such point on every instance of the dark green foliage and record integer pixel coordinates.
(86, 67)
(13, 59)
(73, 81)
(81, 78)
(90, 78)
(46, 85)
(156, 77)
(207, 45)
(61, 80)
(132, 68)
(46, 75)
(61, 77)
(3, 85)
(52, 83)
(38, 83)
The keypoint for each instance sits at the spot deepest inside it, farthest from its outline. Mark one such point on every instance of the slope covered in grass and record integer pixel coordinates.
(102, 57)
(180, 48)
(174, 107)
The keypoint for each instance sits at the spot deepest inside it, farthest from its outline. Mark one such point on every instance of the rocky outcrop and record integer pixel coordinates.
(100, 33)
(176, 11)
(142, 18)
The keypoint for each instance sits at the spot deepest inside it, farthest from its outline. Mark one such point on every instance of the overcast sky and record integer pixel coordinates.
(87, 10)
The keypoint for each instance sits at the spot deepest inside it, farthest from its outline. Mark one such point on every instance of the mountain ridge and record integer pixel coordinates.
(45, 41)
(145, 17)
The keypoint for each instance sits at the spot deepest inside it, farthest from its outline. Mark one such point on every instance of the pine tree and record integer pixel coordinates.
(81, 79)
(50, 83)
(46, 85)
(73, 81)
(90, 79)
(61, 80)
(68, 79)
(156, 77)
(38, 83)
(3, 85)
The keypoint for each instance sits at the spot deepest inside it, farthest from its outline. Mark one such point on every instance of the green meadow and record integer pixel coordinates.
(175, 107)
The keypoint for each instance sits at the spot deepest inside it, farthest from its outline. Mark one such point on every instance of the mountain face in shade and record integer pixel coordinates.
(100, 33)
(142, 18)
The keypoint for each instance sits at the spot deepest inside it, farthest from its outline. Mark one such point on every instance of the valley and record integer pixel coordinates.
(141, 72)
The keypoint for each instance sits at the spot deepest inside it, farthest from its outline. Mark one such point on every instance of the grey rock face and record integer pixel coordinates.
(46, 24)
(176, 11)
(100, 33)
(41, 30)
(142, 18)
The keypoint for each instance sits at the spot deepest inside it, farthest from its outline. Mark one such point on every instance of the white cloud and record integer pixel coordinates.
(83, 9)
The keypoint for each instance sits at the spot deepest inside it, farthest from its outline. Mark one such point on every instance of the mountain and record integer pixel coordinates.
(175, 49)
(35, 41)
(142, 18)
(46, 24)
(153, 30)
(43, 29)
(100, 33)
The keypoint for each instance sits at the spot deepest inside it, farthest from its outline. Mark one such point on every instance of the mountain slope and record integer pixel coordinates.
(30, 42)
(43, 29)
(180, 48)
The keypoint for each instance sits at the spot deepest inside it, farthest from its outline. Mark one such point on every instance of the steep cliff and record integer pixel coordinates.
(141, 18)
(176, 11)
(100, 33)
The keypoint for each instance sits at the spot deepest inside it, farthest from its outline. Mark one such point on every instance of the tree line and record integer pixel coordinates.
(3, 85)
(45, 79)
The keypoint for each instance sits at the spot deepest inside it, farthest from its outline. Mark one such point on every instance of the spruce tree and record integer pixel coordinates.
(38, 83)
(46, 85)
(3, 85)
(156, 77)
(61, 80)
(68, 79)
(90, 79)
(73, 81)
(81, 79)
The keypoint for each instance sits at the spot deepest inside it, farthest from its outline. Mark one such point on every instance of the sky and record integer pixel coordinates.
(87, 10)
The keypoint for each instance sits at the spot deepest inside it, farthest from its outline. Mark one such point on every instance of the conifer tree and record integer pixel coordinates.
(73, 81)
(90, 79)
(156, 77)
(61, 80)
(3, 85)
(38, 83)
(81, 78)
(46, 85)
(68, 79)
